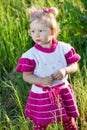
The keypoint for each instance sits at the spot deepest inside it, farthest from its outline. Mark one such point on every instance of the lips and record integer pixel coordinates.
(38, 40)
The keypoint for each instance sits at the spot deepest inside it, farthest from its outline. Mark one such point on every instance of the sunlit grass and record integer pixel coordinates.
(12, 108)
(14, 40)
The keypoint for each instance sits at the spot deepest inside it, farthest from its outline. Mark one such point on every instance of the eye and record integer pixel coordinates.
(32, 31)
(41, 30)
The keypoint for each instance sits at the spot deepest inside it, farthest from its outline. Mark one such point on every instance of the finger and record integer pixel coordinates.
(56, 74)
(50, 82)
(50, 79)
(58, 77)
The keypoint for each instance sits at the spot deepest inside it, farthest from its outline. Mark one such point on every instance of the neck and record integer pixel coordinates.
(47, 45)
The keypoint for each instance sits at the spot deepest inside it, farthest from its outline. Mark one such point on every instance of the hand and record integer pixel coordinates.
(47, 81)
(60, 74)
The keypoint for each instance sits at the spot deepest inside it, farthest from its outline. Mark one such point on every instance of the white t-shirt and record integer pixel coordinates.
(49, 60)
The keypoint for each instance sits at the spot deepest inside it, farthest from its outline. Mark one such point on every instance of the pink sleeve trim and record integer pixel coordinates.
(25, 65)
(72, 56)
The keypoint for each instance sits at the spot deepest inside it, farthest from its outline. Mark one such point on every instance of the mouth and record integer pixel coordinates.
(38, 40)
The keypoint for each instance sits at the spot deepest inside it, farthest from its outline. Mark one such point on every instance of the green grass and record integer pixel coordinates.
(14, 40)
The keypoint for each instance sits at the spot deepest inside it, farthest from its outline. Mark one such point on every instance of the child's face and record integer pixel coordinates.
(40, 33)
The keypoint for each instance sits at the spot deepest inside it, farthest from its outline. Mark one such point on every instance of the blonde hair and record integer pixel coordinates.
(49, 18)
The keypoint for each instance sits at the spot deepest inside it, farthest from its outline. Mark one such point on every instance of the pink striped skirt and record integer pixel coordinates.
(40, 109)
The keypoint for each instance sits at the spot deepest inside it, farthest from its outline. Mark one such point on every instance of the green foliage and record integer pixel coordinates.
(14, 35)
(14, 40)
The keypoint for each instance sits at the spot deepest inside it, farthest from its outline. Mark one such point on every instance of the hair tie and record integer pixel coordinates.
(47, 10)
(34, 11)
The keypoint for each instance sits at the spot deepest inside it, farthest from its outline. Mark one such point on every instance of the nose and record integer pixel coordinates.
(37, 34)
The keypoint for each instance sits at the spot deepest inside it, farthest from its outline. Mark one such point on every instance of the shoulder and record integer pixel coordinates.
(64, 44)
(28, 53)
(65, 47)
(69, 53)
(27, 62)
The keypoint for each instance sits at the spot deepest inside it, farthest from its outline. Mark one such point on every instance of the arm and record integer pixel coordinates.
(72, 68)
(30, 78)
(60, 74)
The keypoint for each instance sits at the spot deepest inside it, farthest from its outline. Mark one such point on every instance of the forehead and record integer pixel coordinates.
(37, 23)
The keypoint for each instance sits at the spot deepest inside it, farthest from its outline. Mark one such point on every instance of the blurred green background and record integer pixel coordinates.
(15, 39)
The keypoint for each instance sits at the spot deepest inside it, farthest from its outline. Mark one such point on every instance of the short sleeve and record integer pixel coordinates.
(25, 65)
(71, 56)
(27, 62)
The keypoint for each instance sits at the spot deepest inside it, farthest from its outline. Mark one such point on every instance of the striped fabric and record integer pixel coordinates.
(40, 110)
(39, 127)
(70, 124)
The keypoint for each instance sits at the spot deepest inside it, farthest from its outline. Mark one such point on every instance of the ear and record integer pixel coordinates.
(53, 31)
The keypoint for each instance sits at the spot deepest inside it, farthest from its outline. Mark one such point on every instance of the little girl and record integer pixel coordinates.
(46, 66)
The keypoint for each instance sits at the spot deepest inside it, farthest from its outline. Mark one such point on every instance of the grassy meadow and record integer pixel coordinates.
(15, 39)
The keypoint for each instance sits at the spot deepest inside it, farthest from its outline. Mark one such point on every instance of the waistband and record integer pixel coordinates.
(53, 92)
(44, 88)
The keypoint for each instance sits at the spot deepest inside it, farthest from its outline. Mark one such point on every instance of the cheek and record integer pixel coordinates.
(45, 35)
(32, 35)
